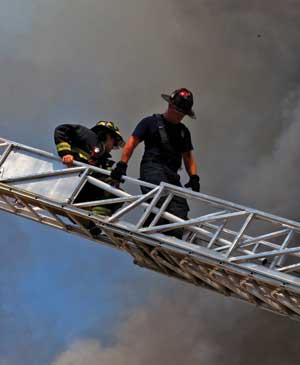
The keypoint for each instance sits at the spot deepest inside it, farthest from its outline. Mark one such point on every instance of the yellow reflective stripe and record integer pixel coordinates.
(81, 153)
(63, 146)
(82, 156)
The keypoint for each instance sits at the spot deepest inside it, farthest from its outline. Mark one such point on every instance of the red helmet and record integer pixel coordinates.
(183, 101)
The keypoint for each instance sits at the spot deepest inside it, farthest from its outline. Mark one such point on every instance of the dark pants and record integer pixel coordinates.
(90, 192)
(155, 173)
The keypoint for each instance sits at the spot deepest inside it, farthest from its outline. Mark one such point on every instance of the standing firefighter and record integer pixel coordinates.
(167, 142)
(91, 146)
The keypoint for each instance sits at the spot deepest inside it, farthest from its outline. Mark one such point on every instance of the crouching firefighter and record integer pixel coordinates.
(93, 147)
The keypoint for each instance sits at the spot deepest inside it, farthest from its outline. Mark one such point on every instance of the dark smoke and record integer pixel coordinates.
(84, 61)
(274, 179)
(242, 61)
(185, 326)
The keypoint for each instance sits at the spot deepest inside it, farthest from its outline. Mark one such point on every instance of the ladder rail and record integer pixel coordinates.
(239, 243)
(225, 250)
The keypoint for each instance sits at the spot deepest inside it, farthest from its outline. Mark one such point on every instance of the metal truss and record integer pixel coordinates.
(231, 249)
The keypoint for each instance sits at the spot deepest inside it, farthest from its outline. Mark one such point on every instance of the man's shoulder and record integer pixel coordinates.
(150, 118)
(146, 127)
(150, 122)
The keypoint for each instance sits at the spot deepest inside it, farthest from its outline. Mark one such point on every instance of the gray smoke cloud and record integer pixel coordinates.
(274, 180)
(184, 326)
(66, 60)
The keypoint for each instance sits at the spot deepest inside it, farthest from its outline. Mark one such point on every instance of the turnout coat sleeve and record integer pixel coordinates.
(67, 136)
(64, 136)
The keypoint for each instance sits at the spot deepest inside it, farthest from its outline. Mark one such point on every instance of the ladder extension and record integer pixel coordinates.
(231, 249)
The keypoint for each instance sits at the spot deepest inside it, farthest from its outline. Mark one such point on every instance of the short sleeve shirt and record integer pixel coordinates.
(178, 135)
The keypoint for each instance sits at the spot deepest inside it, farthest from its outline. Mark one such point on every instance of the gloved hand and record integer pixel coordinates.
(194, 183)
(118, 171)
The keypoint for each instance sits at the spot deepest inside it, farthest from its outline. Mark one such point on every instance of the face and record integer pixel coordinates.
(109, 143)
(174, 116)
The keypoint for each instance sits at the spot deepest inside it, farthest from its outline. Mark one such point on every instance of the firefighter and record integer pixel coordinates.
(91, 146)
(167, 142)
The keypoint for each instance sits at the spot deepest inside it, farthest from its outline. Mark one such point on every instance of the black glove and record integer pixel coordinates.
(118, 171)
(194, 183)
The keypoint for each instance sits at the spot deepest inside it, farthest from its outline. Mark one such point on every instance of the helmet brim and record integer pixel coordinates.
(190, 113)
(118, 137)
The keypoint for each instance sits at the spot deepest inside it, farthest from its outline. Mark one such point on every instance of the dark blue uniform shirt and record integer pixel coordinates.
(178, 135)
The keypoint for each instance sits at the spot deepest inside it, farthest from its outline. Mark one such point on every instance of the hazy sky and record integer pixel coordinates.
(66, 301)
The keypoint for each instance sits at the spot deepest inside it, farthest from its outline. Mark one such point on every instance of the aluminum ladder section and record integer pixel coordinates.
(231, 249)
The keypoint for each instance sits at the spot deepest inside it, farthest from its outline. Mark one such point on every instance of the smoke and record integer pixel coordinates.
(184, 326)
(242, 62)
(274, 181)
(74, 61)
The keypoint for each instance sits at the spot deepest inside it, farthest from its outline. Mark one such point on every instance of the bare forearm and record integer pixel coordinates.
(192, 168)
(126, 154)
(190, 163)
(129, 148)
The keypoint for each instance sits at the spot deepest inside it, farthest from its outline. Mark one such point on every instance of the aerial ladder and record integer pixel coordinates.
(226, 247)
